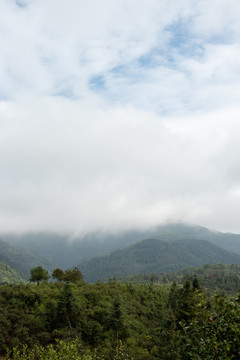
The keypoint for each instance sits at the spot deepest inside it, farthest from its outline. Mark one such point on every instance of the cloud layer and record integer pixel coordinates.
(119, 114)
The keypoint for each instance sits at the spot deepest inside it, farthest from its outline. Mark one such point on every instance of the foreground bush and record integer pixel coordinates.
(153, 322)
(214, 332)
(62, 350)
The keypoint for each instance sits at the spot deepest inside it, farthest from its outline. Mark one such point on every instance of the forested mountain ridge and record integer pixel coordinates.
(155, 256)
(66, 250)
(20, 259)
(228, 241)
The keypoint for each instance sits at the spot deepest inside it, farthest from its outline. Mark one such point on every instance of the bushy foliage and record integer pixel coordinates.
(117, 321)
(210, 277)
(63, 350)
(214, 333)
(73, 275)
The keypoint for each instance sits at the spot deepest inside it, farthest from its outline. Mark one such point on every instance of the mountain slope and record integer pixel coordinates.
(228, 241)
(65, 251)
(155, 256)
(8, 274)
(20, 259)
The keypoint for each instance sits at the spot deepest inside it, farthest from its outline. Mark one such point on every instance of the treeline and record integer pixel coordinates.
(219, 277)
(211, 277)
(39, 274)
(64, 320)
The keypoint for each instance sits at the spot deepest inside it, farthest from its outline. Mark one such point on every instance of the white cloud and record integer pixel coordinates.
(158, 141)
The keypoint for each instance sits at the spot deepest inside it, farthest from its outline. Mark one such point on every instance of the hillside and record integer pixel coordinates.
(155, 256)
(228, 241)
(20, 259)
(8, 274)
(66, 251)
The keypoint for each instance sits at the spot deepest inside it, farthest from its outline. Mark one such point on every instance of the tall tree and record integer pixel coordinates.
(74, 275)
(58, 274)
(38, 274)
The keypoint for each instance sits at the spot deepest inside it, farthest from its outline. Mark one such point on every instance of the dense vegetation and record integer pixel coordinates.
(155, 313)
(155, 256)
(211, 277)
(117, 321)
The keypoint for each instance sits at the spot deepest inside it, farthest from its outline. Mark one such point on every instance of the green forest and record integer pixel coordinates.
(212, 277)
(157, 305)
(161, 318)
(155, 256)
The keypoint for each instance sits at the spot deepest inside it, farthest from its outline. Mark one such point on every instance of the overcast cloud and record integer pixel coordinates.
(119, 113)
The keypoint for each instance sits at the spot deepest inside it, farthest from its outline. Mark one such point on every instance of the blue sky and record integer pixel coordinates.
(119, 114)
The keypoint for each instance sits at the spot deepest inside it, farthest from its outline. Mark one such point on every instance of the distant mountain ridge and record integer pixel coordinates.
(228, 241)
(155, 256)
(53, 250)
(66, 251)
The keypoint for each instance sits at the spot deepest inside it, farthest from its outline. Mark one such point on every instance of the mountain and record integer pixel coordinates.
(228, 241)
(21, 260)
(155, 256)
(66, 250)
(8, 274)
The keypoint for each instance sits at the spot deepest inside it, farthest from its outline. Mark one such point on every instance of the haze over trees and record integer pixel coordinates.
(51, 251)
(155, 256)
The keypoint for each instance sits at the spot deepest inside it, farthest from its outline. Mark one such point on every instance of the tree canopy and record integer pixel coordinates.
(38, 274)
(73, 275)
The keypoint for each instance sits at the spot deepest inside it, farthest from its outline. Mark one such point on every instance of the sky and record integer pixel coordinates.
(119, 114)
